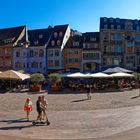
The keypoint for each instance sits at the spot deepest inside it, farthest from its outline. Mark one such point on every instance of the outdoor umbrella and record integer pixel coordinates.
(100, 75)
(77, 75)
(121, 74)
(117, 69)
(13, 75)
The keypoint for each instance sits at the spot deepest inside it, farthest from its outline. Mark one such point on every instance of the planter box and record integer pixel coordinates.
(36, 88)
(56, 88)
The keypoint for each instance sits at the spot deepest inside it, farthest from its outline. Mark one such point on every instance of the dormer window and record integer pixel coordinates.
(111, 20)
(117, 20)
(40, 36)
(75, 43)
(8, 40)
(55, 34)
(58, 42)
(60, 34)
(36, 42)
(92, 39)
(105, 19)
(52, 42)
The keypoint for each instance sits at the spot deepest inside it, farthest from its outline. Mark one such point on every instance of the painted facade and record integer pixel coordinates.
(120, 42)
(59, 37)
(73, 53)
(10, 38)
(91, 57)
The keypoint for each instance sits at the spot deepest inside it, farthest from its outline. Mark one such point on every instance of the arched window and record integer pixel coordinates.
(52, 42)
(60, 34)
(34, 64)
(55, 34)
(41, 53)
(58, 43)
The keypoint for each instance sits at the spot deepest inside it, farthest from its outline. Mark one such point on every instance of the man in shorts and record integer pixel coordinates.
(44, 110)
(39, 107)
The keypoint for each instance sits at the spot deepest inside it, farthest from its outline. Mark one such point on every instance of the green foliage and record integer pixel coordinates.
(136, 75)
(37, 78)
(54, 77)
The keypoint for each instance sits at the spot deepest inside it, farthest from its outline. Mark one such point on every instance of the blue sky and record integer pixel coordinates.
(82, 15)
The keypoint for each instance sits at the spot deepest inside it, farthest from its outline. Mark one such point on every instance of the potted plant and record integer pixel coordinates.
(37, 79)
(55, 80)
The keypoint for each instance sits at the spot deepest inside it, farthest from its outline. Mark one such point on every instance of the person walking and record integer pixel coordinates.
(28, 108)
(45, 104)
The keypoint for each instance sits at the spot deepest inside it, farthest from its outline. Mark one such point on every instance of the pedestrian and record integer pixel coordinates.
(39, 108)
(88, 88)
(45, 104)
(28, 108)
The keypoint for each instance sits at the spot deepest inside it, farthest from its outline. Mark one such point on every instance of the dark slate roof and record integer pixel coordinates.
(118, 21)
(88, 35)
(58, 29)
(72, 39)
(10, 34)
(35, 38)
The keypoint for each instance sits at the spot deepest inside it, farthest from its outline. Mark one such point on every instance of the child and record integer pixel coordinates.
(28, 108)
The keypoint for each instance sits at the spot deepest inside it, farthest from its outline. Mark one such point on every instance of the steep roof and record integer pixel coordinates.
(88, 35)
(39, 37)
(57, 29)
(72, 40)
(10, 35)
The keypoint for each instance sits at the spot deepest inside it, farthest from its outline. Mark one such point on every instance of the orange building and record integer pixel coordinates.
(9, 38)
(73, 54)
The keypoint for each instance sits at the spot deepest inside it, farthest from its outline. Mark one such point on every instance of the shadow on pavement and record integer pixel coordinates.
(15, 127)
(135, 97)
(22, 120)
(81, 100)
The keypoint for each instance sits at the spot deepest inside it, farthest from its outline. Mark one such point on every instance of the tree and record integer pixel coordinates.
(54, 78)
(37, 78)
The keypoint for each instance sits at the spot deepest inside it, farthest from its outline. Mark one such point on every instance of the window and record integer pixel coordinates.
(35, 53)
(8, 40)
(112, 26)
(56, 53)
(60, 34)
(31, 53)
(50, 63)
(41, 53)
(112, 37)
(93, 39)
(58, 43)
(137, 28)
(40, 64)
(75, 43)
(116, 61)
(76, 52)
(52, 43)
(105, 19)
(118, 27)
(34, 64)
(17, 54)
(111, 20)
(117, 20)
(69, 51)
(36, 42)
(76, 60)
(27, 64)
(105, 26)
(137, 38)
(18, 65)
(55, 34)
(119, 37)
(50, 52)
(40, 36)
(56, 63)
(136, 21)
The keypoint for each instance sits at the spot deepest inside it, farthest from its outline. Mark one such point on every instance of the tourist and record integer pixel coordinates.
(88, 88)
(45, 104)
(28, 108)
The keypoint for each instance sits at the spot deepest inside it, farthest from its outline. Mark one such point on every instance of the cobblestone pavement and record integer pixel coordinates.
(73, 124)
